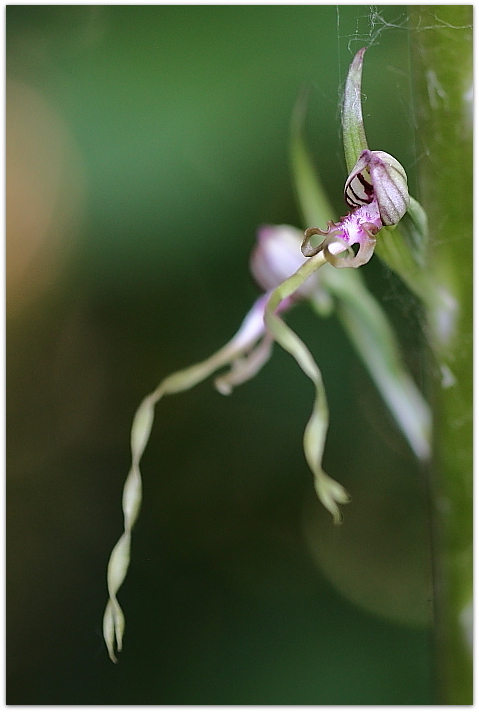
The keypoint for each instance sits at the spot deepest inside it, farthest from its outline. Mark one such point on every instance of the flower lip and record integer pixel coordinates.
(356, 228)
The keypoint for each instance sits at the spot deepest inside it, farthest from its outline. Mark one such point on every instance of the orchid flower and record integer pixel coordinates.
(285, 264)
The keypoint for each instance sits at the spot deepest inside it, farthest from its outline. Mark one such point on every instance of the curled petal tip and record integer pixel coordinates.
(307, 248)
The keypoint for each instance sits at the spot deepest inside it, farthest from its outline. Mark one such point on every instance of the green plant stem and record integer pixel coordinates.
(441, 38)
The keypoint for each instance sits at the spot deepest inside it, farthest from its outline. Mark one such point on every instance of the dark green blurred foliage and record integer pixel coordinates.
(144, 146)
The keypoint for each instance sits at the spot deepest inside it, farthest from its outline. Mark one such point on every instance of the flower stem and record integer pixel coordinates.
(441, 37)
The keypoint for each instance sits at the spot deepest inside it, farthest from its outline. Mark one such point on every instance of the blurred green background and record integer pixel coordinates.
(145, 145)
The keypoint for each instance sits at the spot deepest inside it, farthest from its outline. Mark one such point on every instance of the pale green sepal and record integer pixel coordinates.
(113, 619)
(245, 368)
(330, 493)
(118, 564)
(141, 427)
(113, 629)
(231, 353)
(132, 493)
(354, 137)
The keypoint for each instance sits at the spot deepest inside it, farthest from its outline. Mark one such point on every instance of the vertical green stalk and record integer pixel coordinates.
(441, 37)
